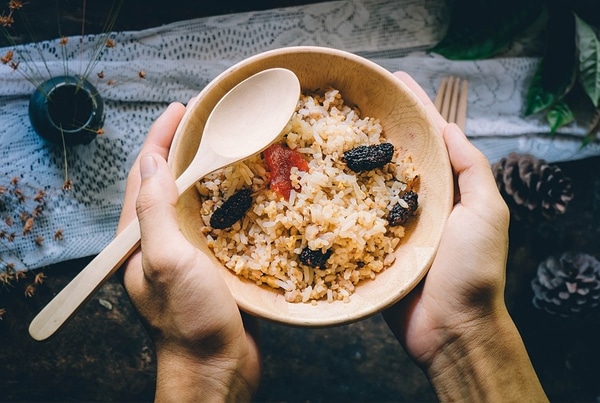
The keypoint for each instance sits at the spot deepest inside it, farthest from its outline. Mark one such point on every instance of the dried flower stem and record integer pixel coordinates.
(103, 40)
(31, 70)
(21, 207)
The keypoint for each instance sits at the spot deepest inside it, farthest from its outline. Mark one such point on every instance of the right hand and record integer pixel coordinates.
(455, 324)
(465, 284)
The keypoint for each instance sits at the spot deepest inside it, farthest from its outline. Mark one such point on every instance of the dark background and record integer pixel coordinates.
(53, 18)
(104, 354)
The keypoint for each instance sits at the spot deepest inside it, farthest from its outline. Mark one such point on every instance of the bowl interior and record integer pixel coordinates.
(406, 124)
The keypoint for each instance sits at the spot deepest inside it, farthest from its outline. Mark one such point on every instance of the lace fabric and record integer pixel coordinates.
(179, 59)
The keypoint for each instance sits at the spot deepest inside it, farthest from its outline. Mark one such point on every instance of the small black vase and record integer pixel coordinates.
(66, 107)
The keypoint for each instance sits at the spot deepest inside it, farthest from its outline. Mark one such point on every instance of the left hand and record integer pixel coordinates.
(203, 350)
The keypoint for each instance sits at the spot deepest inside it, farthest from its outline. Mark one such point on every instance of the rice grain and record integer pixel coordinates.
(329, 208)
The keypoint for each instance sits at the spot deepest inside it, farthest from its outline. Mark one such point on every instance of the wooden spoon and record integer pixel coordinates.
(244, 122)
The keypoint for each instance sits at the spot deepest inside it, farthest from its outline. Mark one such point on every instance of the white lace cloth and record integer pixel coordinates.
(179, 59)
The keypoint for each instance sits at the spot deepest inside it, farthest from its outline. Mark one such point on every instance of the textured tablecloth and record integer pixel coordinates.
(179, 59)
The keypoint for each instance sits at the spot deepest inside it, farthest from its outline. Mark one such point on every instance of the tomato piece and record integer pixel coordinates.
(280, 160)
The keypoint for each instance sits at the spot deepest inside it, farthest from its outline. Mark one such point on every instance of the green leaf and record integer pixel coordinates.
(538, 98)
(589, 138)
(559, 115)
(588, 47)
(480, 29)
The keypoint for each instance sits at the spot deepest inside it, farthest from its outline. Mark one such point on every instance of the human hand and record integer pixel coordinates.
(203, 351)
(455, 324)
(466, 281)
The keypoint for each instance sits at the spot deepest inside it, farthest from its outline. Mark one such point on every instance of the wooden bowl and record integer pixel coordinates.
(378, 93)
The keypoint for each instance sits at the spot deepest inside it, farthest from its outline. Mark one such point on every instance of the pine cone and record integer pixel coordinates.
(531, 187)
(568, 286)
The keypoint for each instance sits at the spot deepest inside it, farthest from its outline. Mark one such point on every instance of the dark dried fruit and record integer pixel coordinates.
(399, 213)
(232, 210)
(366, 158)
(314, 258)
(412, 199)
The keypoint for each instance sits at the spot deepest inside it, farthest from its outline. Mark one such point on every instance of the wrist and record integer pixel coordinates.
(183, 377)
(484, 360)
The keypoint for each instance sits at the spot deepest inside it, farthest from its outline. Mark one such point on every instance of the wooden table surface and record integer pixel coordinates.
(104, 353)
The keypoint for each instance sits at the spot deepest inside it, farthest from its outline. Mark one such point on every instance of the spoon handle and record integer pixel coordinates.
(64, 305)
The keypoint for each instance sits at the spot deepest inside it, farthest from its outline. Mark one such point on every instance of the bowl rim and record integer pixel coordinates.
(386, 301)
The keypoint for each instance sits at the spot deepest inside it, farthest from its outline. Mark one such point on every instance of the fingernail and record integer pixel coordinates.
(147, 166)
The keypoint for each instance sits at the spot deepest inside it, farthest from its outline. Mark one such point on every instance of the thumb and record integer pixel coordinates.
(155, 207)
(476, 182)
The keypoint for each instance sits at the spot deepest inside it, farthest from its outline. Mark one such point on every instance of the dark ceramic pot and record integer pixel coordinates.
(66, 107)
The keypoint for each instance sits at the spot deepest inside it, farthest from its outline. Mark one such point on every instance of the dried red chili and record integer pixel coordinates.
(280, 160)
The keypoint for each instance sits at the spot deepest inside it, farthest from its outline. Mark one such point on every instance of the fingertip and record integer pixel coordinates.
(464, 156)
(156, 177)
(460, 149)
(453, 132)
(191, 101)
(173, 112)
(147, 166)
(157, 196)
(153, 164)
(163, 129)
(178, 106)
(402, 75)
